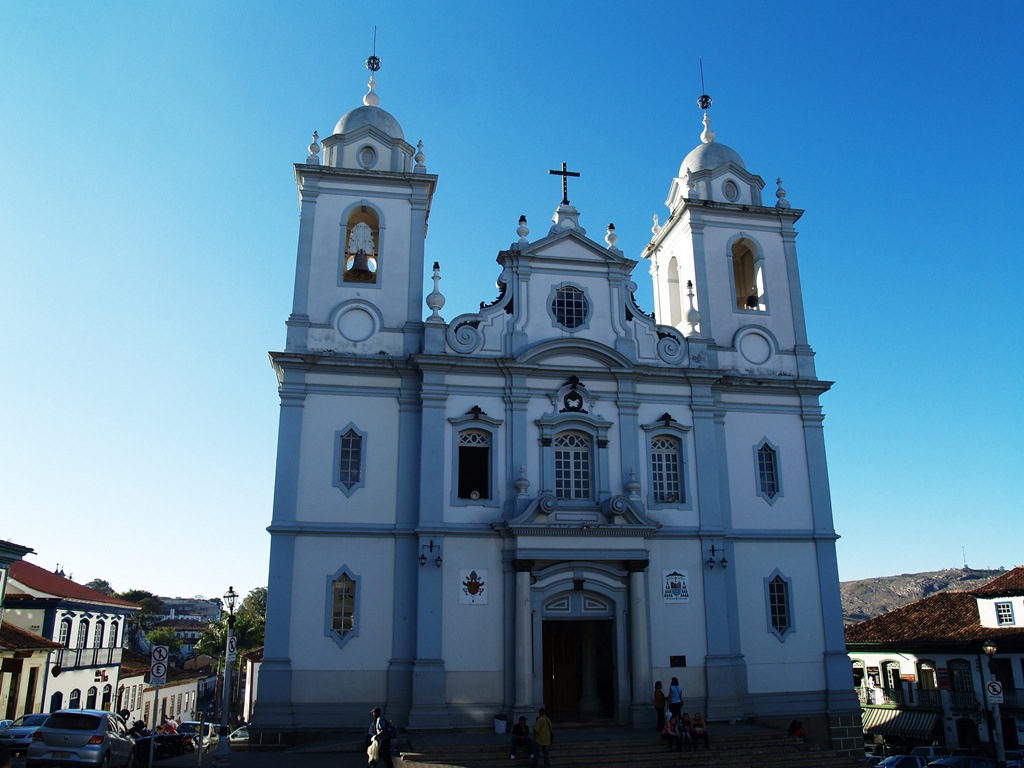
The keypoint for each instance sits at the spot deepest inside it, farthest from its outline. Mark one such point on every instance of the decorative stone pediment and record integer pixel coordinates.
(548, 516)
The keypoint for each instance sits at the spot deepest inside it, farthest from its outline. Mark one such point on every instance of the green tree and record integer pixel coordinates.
(250, 623)
(152, 606)
(164, 636)
(100, 585)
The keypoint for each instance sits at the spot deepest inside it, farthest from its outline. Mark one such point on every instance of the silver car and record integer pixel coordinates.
(17, 735)
(81, 737)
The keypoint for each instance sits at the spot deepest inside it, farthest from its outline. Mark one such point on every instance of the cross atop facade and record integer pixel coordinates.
(565, 182)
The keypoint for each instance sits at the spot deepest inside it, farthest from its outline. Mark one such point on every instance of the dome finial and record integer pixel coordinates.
(704, 102)
(371, 99)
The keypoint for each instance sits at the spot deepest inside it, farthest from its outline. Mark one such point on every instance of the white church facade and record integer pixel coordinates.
(556, 500)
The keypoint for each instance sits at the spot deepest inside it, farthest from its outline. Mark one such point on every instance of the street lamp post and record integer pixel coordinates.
(222, 755)
(989, 648)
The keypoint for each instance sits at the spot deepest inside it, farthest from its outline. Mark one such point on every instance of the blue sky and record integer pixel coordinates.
(148, 218)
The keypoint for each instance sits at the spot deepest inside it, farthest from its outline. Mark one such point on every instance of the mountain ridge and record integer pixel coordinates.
(866, 598)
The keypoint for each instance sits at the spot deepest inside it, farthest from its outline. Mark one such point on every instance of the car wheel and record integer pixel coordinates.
(105, 762)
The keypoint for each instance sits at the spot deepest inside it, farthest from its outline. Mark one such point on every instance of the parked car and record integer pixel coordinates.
(239, 736)
(903, 761)
(209, 735)
(1014, 758)
(931, 753)
(963, 761)
(17, 734)
(81, 737)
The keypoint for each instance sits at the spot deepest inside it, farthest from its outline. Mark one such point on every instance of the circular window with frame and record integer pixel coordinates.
(731, 191)
(570, 307)
(367, 157)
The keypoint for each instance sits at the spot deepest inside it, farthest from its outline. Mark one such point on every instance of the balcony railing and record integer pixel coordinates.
(929, 698)
(964, 700)
(83, 658)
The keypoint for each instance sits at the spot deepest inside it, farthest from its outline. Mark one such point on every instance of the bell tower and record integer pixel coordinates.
(363, 212)
(724, 264)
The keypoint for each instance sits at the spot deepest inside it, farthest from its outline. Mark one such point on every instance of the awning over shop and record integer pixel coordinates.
(898, 722)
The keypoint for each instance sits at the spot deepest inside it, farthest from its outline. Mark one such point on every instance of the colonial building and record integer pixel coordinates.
(23, 655)
(86, 624)
(922, 673)
(558, 499)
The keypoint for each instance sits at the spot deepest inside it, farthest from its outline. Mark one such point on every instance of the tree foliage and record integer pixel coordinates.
(164, 636)
(152, 607)
(100, 585)
(250, 621)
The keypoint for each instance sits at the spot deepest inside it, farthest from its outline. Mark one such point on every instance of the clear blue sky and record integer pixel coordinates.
(148, 220)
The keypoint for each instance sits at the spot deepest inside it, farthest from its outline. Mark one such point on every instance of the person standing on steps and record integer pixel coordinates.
(543, 736)
(659, 705)
(675, 699)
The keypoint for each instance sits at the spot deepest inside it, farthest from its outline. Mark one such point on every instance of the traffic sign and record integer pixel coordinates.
(158, 666)
(994, 689)
(232, 648)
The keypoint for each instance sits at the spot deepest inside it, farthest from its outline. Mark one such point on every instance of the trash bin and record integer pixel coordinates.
(500, 724)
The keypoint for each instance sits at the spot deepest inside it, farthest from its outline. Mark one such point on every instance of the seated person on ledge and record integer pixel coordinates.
(521, 738)
(670, 733)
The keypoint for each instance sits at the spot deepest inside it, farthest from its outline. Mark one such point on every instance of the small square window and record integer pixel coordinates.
(1004, 614)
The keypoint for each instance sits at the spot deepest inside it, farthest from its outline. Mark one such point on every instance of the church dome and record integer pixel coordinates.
(707, 157)
(370, 116)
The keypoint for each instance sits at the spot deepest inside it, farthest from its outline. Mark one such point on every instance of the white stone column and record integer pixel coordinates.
(641, 712)
(524, 639)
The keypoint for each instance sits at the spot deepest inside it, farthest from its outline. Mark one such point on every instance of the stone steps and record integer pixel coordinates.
(769, 750)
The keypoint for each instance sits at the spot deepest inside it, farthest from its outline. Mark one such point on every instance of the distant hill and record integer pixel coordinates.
(867, 598)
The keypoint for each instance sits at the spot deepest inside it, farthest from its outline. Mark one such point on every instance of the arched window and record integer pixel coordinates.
(75, 699)
(362, 239)
(927, 684)
(57, 701)
(474, 464)
(892, 681)
(113, 634)
(65, 632)
(90, 698)
(573, 466)
(747, 277)
(83, 634)
(98, 634)
(107, 692)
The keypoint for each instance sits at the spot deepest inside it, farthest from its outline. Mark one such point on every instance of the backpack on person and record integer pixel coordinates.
(390, 730)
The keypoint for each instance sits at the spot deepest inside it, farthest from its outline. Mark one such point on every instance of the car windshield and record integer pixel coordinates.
(73, 721)
(891, 761)
(29, 721)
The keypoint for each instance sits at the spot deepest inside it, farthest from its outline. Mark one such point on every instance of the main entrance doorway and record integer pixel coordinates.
(579, 668)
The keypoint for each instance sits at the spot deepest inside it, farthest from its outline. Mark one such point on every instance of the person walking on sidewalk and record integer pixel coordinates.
(543, 736)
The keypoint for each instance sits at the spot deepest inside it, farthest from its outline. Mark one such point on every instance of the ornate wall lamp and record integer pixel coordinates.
(712, 554)
(424, 548)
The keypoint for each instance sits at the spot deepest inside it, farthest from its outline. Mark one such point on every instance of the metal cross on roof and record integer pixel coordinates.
(565, 182)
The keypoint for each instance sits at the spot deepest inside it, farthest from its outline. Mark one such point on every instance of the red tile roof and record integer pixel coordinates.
(943, 618)
(41, 580)
(1010, 583)
(14, 638)
(134, 664)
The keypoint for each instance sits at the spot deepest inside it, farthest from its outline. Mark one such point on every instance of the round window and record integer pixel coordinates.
(367, 157)
(731, 191)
